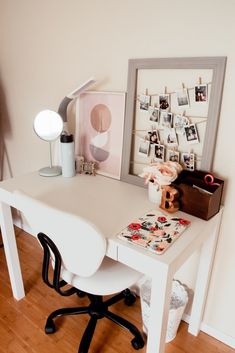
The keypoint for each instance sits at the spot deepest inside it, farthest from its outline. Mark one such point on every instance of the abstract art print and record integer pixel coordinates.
(99, 135)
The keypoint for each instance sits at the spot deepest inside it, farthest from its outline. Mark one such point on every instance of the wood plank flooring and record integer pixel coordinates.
(22, 322)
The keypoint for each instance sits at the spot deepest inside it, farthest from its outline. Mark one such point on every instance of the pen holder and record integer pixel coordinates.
(198, 197)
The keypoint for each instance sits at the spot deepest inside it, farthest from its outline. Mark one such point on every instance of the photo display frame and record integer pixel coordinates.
(180, 99)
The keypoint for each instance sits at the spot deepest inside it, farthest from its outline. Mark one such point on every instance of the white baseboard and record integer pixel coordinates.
(220, 336)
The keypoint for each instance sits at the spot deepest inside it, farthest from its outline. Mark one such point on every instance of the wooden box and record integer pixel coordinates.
(197, 197)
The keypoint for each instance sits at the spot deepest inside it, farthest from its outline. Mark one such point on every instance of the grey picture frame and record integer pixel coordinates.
(216, 64)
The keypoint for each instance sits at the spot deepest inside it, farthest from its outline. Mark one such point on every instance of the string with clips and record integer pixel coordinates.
(157, 127)
(174, 92)
(196, 158)
(189, 117)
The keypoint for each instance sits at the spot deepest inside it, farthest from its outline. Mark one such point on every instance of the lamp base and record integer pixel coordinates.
(50, 171)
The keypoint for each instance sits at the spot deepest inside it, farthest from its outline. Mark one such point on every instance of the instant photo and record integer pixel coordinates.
(153, 114)
(166, 119)
(188, 161)
(144, 147)
(159, 152)
(200, 93)
(144, 101)
(154, 137)
(173, 156)
(182, 98)
(164, 101)
(170, 137)
(191, 134)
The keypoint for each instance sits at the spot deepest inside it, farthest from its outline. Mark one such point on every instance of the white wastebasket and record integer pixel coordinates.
(179, 299)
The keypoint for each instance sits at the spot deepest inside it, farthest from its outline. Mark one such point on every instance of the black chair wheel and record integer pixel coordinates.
(81, 294)
(137, 343)
(50, 327)
(130, 299)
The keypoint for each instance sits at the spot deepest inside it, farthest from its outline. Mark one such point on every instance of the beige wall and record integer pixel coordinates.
(48, 47)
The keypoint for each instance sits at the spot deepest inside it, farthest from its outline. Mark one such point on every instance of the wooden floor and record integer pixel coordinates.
(22, 322)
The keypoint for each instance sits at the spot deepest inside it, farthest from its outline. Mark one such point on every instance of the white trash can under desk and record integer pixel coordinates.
(179, 299)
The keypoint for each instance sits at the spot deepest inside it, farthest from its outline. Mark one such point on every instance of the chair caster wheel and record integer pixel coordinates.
(130, 299)
(137, 343)
(50, 327)
(81, 294)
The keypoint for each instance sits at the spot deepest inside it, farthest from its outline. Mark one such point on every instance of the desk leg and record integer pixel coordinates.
(203, 276)
(11, 252)
(159, 310)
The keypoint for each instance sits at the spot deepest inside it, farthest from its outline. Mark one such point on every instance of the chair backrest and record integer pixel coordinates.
(81, 245)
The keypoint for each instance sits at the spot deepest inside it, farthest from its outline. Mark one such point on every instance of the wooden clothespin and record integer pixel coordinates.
(165, 90)
(146, 92)
(183, 85)
(200, 80)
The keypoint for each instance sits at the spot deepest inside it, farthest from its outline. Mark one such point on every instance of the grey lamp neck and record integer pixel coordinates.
(63, 108)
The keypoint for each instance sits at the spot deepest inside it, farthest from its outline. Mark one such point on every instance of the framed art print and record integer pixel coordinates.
(99, 135)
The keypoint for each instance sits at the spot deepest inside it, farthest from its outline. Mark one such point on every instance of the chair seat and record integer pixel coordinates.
(111, 277)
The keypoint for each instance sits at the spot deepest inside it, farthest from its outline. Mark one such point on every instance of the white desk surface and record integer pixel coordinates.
(111, 205)
(107, 203)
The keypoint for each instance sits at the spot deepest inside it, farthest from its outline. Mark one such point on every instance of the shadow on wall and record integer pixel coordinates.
(5, 130)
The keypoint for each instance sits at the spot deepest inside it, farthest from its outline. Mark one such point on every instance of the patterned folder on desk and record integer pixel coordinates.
(154, 231)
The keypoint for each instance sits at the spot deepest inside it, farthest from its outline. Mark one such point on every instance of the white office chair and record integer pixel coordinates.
(77, 252)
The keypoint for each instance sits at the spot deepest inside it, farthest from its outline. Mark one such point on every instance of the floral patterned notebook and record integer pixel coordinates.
(154, 231)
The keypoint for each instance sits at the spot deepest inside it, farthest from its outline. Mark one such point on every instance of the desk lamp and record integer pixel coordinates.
(49, 125)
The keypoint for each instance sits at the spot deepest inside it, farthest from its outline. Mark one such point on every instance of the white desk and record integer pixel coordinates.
(111, 205)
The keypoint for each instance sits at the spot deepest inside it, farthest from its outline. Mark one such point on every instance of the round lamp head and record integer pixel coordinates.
(48, 125)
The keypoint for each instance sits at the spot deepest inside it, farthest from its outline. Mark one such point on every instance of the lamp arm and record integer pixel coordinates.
(72, 95)
(63, 108)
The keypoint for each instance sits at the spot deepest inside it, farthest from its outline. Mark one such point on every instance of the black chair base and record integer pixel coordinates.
(97, 310)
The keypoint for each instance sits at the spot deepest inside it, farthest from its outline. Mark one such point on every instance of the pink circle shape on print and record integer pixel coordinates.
(100, 118)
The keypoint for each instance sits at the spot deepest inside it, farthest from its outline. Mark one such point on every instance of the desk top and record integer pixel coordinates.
(107, 203)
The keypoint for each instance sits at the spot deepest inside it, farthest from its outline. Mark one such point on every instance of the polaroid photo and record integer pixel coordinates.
(155, 100)
(200, 93)
(170, 137)
(182, 98)
(191, 134)
(159, 152)
(180, 122)
(164, 101)
(173, 156)
(144, 146)
(153, 114)
(166, 119)
(144, 101)
(188, 160)
(154, 137)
